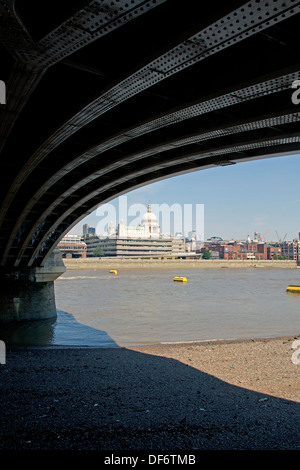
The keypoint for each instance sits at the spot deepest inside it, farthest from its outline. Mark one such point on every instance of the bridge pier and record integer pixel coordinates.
(28, 293)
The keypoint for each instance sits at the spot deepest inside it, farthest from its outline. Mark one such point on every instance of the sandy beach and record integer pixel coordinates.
(195, 396)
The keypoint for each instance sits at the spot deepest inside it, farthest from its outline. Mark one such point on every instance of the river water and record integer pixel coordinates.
(134, 307)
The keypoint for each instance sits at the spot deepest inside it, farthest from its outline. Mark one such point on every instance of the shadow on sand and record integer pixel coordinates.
(119, 399)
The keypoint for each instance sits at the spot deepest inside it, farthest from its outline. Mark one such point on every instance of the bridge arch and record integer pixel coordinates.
(109, 96)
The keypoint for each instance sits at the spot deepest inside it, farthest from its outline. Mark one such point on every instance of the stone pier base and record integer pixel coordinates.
(28, 293)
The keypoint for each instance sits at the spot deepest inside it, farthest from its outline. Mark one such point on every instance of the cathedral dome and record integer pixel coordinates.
(150, 220)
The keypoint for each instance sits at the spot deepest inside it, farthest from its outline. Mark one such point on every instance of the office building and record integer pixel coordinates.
(72, 246)
(144, 240)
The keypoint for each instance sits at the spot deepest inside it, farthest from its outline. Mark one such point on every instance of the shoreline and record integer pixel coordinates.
(109, 263)
(163, 345)
(155, 346)
(214, 341)
(215, 395)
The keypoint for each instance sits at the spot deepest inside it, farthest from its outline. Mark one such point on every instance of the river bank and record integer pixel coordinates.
(212, 395)
(124, 263)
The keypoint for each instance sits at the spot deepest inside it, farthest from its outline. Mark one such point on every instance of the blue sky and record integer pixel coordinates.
(238, 200)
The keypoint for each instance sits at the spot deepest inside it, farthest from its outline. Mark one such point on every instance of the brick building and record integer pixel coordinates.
(243, 251)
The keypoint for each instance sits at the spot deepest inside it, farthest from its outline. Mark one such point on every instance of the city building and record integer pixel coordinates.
(148, 228)
(88, 230)
(143, 240)
(290, 249)
(72, 246)
(247, 251)
(254, 249)
(92, 242)
(142, 247)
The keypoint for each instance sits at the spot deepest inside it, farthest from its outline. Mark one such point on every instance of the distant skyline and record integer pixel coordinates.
(239, 200)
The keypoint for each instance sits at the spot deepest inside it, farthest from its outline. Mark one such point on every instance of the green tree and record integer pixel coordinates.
(97, 251)
(206, 254)
(275, 256)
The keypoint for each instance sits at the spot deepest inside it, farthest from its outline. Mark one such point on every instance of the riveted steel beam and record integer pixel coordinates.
(70, 171)
(275, 121)
(263, 87)
(212, 37)
(51, 242)
(33, 58)
(194, 161)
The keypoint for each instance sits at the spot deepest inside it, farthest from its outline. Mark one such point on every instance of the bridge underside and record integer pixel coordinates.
(105, 96)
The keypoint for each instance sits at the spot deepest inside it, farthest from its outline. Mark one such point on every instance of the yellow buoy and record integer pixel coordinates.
(180, 279)
(113, 271)
(293, 289)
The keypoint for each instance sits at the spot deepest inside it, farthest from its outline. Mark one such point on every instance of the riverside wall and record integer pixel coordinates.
(124, 263)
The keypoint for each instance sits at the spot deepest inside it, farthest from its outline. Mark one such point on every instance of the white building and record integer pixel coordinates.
(143, 240)
(148, 228)
(70, 239)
